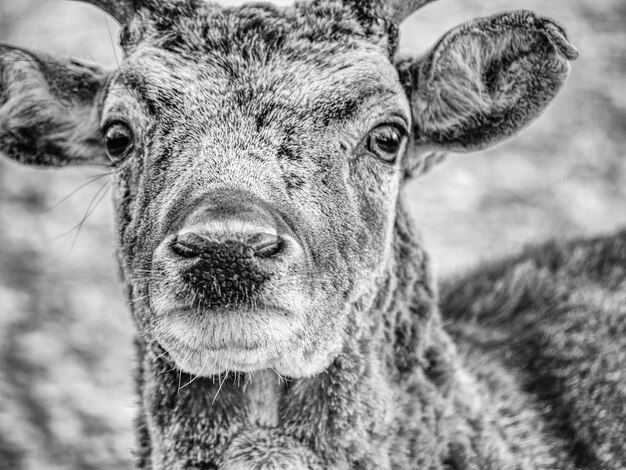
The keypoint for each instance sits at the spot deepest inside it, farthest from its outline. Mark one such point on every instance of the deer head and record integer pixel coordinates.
(258, 153)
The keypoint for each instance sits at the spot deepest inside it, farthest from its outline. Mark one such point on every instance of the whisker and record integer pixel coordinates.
(90, 208)
(91, 179)
(102, 192)
(220, 387)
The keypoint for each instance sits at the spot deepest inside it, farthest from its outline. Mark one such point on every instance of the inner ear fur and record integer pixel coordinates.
(49, 109)
(485, 81)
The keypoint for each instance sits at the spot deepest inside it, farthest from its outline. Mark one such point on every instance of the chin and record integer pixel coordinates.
(244, 341)
(206, 362)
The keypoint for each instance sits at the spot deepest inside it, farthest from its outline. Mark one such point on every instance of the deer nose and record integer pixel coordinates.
(228, 248)
(225, 252)
(229, 227)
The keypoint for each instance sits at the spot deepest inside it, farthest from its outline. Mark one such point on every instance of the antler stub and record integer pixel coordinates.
(121, 10)
(399, 10)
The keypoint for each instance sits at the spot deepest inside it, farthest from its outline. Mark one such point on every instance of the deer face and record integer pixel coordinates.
(261, 181)
(258, 155)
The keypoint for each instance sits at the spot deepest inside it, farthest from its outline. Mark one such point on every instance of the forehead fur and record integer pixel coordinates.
(313, 59)
(189, 27)
(331, 86)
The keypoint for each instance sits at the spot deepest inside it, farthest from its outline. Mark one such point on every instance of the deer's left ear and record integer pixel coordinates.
(485, 81)
(48, 110)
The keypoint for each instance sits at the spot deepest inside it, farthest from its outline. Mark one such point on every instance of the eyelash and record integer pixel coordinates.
(386, 142)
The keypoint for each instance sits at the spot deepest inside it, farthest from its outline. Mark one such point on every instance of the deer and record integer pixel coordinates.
(287, 316)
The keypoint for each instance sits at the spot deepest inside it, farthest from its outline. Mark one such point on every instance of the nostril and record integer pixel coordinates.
(189, 245)
(264, 245)
(260, 245)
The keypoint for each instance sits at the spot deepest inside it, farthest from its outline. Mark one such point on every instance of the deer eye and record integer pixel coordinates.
(118, 141)
(386, 142)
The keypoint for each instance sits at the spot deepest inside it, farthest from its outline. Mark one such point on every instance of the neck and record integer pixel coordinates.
(398, 362)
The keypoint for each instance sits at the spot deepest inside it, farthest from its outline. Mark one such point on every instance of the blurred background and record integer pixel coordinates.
(66, 395)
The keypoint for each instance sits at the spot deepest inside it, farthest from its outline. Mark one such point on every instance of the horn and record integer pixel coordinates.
(399, 10)
(121, 10)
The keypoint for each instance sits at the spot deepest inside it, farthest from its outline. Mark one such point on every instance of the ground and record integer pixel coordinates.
(66, 399)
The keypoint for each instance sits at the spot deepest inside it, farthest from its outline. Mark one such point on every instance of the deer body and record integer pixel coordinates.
(554, 318)
(286, 313)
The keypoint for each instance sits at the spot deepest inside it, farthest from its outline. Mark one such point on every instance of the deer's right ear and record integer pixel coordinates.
(485, 81)
(48, 110)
